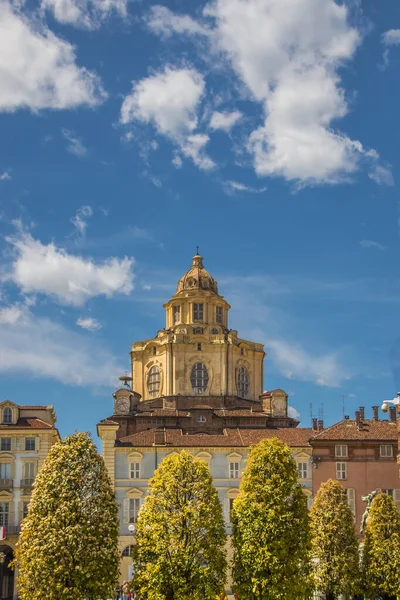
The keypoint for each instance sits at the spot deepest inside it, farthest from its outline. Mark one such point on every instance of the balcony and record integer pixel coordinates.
(27, 483)
(6, 484)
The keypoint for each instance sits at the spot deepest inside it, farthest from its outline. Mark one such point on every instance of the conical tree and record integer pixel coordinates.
(180, 535)
(381, 554)
(68, 547)
(270, 532)
(334, 549)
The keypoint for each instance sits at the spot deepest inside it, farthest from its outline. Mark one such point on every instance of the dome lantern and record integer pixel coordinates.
(197, 278)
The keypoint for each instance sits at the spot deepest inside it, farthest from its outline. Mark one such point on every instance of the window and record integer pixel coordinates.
(134, 470)
(242, 381)
(29, 470)
(198, 346)
(214, 331)
(231, 501)
(302, 470)
(199, 378)
(5, 443)
(242, 351)
(25, 508)
(218, 314)
(341, 451)
(341, 470)
(127, 551)
(30, 443)
(351, 499)
(388, 492)
(177, 314)
(197, 330)
(134, 507)
(198, 312)
(7, 415)
(154, 381)
(386, 451)
(5, 471)
(154, 350)
(4, 513)
(201, 419)
(234, 470)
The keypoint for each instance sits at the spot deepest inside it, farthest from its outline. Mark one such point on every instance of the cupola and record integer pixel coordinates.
(197, 278)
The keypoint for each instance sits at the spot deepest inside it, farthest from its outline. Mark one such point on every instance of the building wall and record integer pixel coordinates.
(365, 473)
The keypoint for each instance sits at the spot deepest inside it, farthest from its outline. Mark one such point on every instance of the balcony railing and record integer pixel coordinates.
(6, 484)
(27, 483)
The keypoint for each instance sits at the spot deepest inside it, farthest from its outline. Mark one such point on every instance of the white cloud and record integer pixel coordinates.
(372, 244)
(293, 413)
(5, 176)
(88, 323)
(177, 161)
(79, 219)
(10, 315)
(224, 120)
(70, 279)
(75, 146)
(38, 69)
(84, 13)
(296, 363)
(288, 55)
(169, 100)
(162, 21)
(381, 175)
(40, 347)
(232, 187)
(391, 37)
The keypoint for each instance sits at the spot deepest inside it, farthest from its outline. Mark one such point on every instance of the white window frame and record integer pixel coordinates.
(341, 471)
(26, 443)
(234, 469)
(7, 411)
(302, 470)
(154, 381)
(134, 470)
(351, 500)
(390, 492)
(28, 470)
(341, 451)
(5, 470)
(199, 378)
(242, 381)
(386, 451)
(2, 442)
(134, 509)
(4, 514)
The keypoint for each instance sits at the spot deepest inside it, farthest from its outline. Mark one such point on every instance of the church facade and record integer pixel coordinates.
(196, 386)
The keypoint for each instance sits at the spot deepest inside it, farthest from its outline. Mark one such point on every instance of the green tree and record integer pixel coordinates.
(381, 553)
(270, 528)
(68, 547)
(334, 549)
(180, 535)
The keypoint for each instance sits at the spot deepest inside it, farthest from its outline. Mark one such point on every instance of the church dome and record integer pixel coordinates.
(197, 278)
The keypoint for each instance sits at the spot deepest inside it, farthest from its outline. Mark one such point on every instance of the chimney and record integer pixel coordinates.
(392, 413)
(358, 417)
(159, 437)
(362, 413)
(315, 424)
(375, 410)
(320, 425)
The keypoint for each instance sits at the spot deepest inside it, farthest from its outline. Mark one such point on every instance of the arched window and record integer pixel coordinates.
(242, 381)
(199, 378)
(214, 330)
(154, 381)
(7, 415)
(127, 551)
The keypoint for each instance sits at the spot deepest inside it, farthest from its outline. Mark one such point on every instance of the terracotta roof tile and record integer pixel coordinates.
(348, 430)
(230, 437)
(28, 423)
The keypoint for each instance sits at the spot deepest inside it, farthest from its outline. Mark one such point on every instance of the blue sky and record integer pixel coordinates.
(265, 131)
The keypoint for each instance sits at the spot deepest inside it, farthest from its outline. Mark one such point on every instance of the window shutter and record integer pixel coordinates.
(351, 497)
(396, 497)
(126, 510)
(226, 510)
(37, 443)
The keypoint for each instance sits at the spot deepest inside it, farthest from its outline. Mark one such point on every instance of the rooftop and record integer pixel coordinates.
(349, 429)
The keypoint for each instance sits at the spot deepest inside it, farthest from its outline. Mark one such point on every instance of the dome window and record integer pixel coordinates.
(242, 381)
(177, 313)
(218, 314)
(199, 378)
(197, 330)
(201, 419)
(154, 381)
(214, 331)
(198, 311)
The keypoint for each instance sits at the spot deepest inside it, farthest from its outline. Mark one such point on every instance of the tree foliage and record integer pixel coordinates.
(180, 547)
(270, 523)
(68, 547)
(381, 553)
(335, 553)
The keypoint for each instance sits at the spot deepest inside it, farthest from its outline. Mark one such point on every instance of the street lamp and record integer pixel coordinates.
(395, 402)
